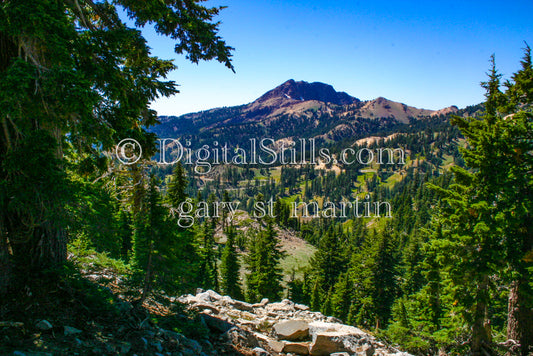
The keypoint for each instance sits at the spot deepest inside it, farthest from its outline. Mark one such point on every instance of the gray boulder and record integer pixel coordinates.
(292, 330)
(298, 348)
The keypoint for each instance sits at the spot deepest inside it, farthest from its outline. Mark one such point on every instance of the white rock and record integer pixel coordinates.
(260, 352)
(69, 330)
(340, 329)
(292, 330)
(44, 325)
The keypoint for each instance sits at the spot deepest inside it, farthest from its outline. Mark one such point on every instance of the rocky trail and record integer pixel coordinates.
(282, 328)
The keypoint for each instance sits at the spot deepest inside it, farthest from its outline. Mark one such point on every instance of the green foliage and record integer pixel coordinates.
(230, 267)
(163, 254)
(84, 255)
(208, 272)
(74, 80)
(373, 272)
(486, 223)
(176, 188)
(329, 261)
(264, 277)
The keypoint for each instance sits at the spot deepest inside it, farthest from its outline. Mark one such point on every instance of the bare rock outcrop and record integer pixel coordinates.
(283, 328)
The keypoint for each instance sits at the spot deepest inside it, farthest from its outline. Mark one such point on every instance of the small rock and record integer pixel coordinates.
(325, 344)
(242, 305)
(292, 330)
(340, 329)
(260, 352)
(340, 354)
(157, 346)
(276, 346)
(208, 296)
(301, 307)
(44, 325)
(216, 324)
(206, 306)
(261, 304)
(69, 330)
(299, 348)
(192, 347)
(145, 343)
(369, 350)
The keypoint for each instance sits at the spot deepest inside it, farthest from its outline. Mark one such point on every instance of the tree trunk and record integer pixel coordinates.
(47, 247)
(520, 316)
(5, 263)
(50, 246)
(147, 287)
(480, 338)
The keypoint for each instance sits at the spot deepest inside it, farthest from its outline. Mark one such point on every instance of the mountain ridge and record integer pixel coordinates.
(294, 108)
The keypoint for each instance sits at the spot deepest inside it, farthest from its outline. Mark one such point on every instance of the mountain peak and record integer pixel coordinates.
(304, 91)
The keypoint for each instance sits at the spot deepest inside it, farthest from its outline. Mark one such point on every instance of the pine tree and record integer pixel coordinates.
(208, 272)
(373, 274)
(176, 188)
(342, 297)
(329, 261)
(72, 86)
(488, 224)
(516, 201)
(264, 278)
(230, 267)
(148, 234)
(316, 297)
(385, 276)
(183, 247)
(412, 268)
(124, 233)
(297, 288)
(423, 320)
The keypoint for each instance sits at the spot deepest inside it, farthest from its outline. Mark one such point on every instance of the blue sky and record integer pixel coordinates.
(429, 54)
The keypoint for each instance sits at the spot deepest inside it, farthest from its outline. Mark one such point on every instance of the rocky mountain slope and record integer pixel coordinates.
(282, 328)
(294, 108)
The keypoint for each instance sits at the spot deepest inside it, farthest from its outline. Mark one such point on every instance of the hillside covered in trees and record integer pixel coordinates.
(87, 236)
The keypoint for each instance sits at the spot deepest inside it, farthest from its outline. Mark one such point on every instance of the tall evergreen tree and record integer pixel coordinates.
(72, 85)
(230, 267)
(488, 229)
(264, 277)
(329, 261)
(208, 273)
(183, 247)
(516, 202)
(176, 188)
(148, 235)
(373, 275)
